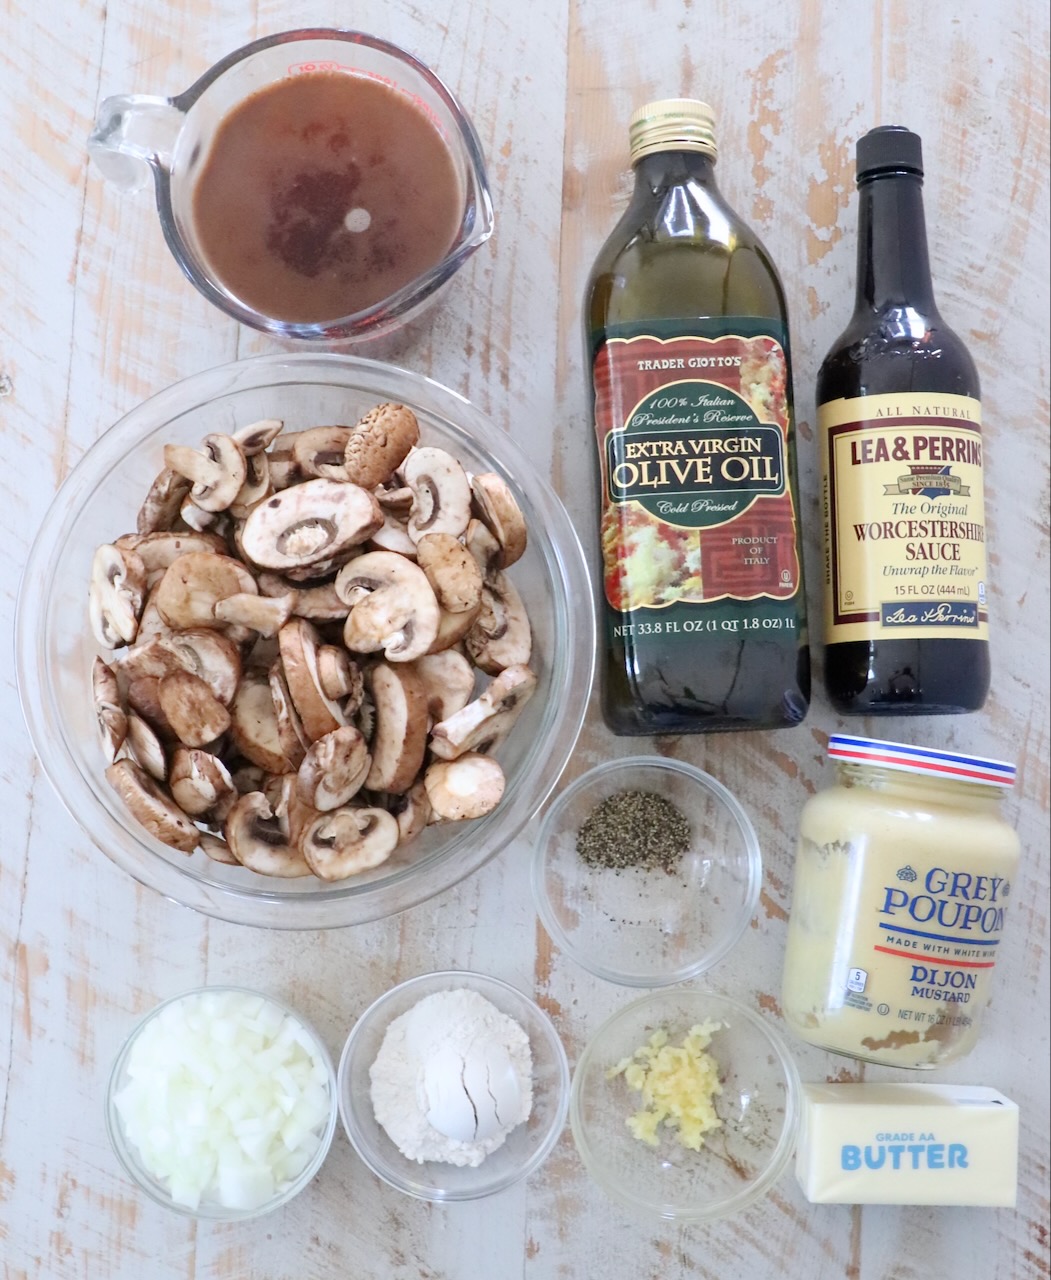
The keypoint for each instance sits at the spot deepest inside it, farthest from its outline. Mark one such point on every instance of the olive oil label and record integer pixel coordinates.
(904, 518)
(697, 493)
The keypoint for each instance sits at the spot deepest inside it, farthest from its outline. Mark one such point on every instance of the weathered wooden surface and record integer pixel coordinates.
(97, 317)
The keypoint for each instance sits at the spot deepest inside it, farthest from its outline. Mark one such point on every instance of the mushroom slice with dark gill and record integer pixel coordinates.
(116, 595)
(309, 522)
(441, 493)
(348, 841)
(259, 841)
(217, 470)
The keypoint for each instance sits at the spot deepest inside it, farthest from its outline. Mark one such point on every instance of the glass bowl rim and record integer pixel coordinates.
(343, 904)
(782, 1151)
(594, 965)
(551, 1037)
(121, 1147)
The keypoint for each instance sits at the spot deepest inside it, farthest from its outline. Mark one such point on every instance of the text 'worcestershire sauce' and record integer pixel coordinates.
(900, 428)
(687, 344)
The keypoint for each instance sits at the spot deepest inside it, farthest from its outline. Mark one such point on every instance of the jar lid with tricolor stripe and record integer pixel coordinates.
(954, 765)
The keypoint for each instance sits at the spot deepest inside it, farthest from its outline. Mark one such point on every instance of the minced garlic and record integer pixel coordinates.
(677, 1083)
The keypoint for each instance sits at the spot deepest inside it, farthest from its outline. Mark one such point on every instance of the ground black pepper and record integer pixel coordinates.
(634, 829)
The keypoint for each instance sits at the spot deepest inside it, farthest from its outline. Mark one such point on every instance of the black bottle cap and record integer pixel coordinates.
(888, 149)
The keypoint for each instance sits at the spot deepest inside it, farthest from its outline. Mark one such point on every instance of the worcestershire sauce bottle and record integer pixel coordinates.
(900, 432)
(687, 346)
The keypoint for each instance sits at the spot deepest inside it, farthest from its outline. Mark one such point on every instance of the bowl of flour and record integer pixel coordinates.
(453, 1086)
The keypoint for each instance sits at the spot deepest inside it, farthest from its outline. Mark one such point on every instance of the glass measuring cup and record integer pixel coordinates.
(139, 134)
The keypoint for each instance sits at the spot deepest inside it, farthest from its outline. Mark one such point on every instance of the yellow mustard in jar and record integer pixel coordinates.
(903, 878)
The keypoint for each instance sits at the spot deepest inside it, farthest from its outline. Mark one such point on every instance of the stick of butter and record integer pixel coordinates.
(907, 1144)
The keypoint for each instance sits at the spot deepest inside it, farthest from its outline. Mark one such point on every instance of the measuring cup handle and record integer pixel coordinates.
(134, 134)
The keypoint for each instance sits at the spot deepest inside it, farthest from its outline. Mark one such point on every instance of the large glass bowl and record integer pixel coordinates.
(99, 501)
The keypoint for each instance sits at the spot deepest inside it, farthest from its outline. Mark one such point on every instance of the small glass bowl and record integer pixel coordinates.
(648, 928)
(128, 1154)
(759, 1107)
(526, 1147)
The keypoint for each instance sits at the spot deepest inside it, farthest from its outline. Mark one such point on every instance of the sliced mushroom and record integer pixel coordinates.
(411, 810)
(259, 841)
(158, 550)
(392, 606)
(216, 849)
(210, 655)
(294, 814)
(116, 595)
(379, 443)
(299, 644)
(393, 535)
(312, 573)
(294, 740)
(256, 485)
(501, 637)
(217, 470)
(246, 776)
(467, 787)
(334, 769)
(161, 506)
(194, 713)
(147, 750)
(143, 697)
(321, 602)
(109, 711)
(200, 783)
(484, 547)
(399, 740)
(197, 519)
(340, 677)
(448, 680)
(186, 595)
(452, 628)
(151, 623)
(308, 523)
(496, 506)
(482, 724)
(349, 841)
(258, 436)
(264, 614)
(441, 493)
(320, 452)
(395, 499)
(451, 570)
(151, 807)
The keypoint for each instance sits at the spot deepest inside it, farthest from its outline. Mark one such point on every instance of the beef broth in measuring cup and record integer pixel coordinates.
(323, 194)
(321, 186)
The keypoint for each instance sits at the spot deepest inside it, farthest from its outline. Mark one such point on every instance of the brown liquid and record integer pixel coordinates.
(297, 165)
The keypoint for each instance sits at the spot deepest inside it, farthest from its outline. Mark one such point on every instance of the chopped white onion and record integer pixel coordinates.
(225, 1099)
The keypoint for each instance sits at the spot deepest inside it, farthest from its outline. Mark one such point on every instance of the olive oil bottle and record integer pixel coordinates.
(899, 422)
(687, 350)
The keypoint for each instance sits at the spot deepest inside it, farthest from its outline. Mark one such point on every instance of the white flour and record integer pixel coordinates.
(455, 1058)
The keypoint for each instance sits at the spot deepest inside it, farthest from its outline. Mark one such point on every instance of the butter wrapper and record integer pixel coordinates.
(907, 1144)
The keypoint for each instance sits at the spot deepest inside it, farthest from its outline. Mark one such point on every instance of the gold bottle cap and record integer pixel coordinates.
(672, 124)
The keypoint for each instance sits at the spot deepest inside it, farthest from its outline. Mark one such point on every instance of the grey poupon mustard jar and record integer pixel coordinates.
(903, 879)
